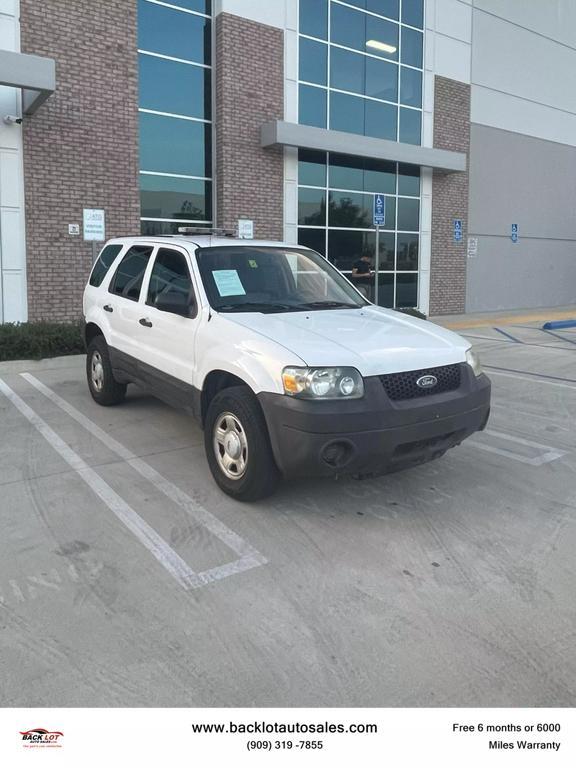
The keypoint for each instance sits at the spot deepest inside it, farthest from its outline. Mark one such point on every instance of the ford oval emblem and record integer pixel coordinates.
(427, 382)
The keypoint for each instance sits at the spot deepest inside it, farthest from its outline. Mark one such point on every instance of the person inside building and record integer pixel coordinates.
(363, 275)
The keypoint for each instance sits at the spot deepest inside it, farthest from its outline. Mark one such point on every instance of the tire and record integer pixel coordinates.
(103, 387)
(235, 430)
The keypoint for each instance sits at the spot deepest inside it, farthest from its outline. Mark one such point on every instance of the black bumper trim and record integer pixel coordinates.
(373, 435)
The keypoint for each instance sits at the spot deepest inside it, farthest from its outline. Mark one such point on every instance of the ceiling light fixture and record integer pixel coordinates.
(381, 46)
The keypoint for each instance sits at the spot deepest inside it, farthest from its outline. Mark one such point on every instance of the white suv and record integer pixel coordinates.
(288, 368)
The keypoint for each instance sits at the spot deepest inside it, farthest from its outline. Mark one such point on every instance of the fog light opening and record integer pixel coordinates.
(337, 454)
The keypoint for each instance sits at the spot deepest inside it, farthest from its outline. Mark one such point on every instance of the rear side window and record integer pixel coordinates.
(103, 264)
(128, 278)
(169, 275)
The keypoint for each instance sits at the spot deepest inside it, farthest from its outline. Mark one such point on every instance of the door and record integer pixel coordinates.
(166, 340)
(122, 300)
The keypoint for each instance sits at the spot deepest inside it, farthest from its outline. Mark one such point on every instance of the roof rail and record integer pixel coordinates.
(218, 231)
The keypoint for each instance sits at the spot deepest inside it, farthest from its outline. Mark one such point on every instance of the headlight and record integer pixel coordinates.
(323, 383)
(474, 362)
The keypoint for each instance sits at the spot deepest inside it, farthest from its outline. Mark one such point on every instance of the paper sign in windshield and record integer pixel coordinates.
(228, 282)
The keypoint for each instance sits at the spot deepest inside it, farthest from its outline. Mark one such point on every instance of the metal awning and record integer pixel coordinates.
(35, 75)
(280, 133)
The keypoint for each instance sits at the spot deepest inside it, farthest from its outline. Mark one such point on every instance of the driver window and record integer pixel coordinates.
(170, 274)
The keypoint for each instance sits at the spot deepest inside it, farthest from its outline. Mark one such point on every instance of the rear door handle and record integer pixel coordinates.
(144, 321)
(107, 308)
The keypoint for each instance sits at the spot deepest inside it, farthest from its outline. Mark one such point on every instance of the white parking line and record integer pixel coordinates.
(248, 556)
(165, 555)
(529, 378)
(549, 454)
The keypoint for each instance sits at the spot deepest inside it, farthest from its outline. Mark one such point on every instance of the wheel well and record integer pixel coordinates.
(215, 382)
(90, 332)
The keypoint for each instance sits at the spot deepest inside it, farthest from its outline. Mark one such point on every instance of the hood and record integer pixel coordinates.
(373, 340)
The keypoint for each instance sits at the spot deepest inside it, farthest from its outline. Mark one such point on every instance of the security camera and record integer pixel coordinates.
(9, 119)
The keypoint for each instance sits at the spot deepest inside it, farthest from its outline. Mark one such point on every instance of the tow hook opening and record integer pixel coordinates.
(338, 453)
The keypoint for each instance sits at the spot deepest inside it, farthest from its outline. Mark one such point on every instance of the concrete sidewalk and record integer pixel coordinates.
(505, 317)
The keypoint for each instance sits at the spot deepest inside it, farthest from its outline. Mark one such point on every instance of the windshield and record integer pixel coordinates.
(273, 279)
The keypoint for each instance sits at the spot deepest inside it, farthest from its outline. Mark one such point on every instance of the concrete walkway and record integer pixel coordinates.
(505, 317)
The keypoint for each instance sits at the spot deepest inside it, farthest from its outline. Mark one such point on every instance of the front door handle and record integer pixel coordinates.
(144, 321)
(107, 308)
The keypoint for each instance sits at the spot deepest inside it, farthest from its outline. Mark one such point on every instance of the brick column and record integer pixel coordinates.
(81, 147)
(249, 91)
(449, 199)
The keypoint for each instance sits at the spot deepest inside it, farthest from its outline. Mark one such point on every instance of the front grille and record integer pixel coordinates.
(402, 386)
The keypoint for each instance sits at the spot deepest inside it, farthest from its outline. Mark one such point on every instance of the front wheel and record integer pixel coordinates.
(238, 446)
(103, 386)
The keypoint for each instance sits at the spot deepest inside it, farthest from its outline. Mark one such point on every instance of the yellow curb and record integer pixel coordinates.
(507, 320)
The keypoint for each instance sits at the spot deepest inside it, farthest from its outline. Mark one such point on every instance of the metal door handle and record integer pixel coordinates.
(107, 308)
(144, 321)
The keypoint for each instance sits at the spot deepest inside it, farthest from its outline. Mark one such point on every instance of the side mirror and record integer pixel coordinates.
(176, 303)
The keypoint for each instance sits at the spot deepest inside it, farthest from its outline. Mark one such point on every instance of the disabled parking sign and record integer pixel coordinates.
(457, 230)
(514, 233)
(379, 210)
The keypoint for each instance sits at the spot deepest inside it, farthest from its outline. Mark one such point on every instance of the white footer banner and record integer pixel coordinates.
(280, 737)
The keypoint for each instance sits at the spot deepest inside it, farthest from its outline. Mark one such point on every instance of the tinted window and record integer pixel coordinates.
(407, 251)
(313, 238)
(312, 168)
(413, 13)
(170, 145)
(381, 79)
(103, 264)
(362, 174)
(170, 86)
(311, 206)
(410, 126)
(173, 33)
(313, 61)
(170, 274)
(379, 176)
(411, 87)
(407, 290)
(408, 180)
(350, 209)
(345, 248)
(408, 214)
(130, 273)
(346, 113)
(385, 290)
(388, 8)
(411, 47)
(348, 27)
(381, 120)
(168, 197)
(347, 70)
(314, 18)
(312, 106)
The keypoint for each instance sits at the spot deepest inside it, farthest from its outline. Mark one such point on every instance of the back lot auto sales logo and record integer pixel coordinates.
(40, 737)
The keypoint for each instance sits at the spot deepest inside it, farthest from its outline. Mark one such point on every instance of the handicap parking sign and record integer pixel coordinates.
(379, 210)
(514, 233)
(457, 230)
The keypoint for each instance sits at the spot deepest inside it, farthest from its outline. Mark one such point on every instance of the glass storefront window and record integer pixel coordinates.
(344, 233)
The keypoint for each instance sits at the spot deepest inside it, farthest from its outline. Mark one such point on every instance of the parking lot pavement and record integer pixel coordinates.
(128, 579)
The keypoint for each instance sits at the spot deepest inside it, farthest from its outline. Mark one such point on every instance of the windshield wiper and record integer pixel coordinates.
(255, 306)
(330, 305)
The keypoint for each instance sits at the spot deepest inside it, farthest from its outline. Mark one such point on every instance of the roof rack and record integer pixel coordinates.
(218, 231)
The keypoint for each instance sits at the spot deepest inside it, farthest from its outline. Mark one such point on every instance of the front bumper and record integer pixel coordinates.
(372, 435)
